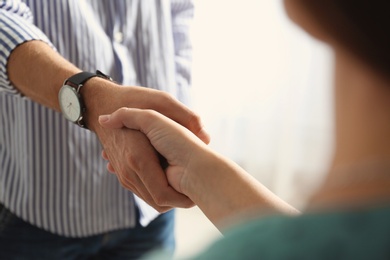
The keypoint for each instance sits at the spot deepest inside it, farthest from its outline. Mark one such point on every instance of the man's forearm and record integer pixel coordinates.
(38, 72)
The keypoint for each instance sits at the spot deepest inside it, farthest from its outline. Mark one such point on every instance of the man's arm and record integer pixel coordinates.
(15, 28)
(37, 71)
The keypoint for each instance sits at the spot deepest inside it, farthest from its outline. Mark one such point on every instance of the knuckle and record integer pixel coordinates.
(124, 183)
(162, 209)
(123, 180)
(122, 110)
(159, 209)
(151, 113)
(133, 162)
(194, 122)
(167, 96)
(188, 205)
(125, 186)
(160, 199)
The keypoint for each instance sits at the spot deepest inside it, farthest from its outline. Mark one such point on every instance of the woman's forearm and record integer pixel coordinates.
(223, 190)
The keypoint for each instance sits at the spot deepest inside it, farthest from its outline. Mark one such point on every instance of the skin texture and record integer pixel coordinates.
(222, 189)
(38, 72)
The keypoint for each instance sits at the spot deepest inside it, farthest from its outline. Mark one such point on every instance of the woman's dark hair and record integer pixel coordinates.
(362, 26)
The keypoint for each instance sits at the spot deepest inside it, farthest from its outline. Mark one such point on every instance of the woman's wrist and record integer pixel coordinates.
(199, 172)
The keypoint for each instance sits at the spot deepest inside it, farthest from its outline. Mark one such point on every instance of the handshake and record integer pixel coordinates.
(150, 125)
(149, 148)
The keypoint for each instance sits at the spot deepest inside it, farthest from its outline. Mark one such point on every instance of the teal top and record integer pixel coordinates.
(363, 234)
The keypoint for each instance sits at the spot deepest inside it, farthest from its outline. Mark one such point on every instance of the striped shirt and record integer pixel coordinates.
(51, 171)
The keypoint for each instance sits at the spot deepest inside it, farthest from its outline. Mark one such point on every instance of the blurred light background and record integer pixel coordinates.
(263, 89)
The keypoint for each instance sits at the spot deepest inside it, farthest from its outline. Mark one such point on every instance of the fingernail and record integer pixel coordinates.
(104, 118)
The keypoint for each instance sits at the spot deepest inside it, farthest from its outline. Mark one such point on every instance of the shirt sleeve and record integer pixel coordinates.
(16, 27)
(182, 16)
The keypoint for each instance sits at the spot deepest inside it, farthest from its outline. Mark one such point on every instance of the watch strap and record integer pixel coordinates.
(77, 81)
(82, 77)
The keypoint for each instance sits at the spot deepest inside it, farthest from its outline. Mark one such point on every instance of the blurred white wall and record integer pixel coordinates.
(263, 89)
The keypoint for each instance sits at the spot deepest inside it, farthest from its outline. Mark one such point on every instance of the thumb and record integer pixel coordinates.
(106, 121)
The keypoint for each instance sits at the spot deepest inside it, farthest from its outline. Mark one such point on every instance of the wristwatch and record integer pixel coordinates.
(70, 100)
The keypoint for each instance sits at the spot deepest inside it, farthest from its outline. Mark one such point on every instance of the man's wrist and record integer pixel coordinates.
(100, 96)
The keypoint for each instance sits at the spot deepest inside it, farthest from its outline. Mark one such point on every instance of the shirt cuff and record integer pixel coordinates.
(147, 213)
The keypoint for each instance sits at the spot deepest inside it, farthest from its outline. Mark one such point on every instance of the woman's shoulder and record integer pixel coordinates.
(332, 235)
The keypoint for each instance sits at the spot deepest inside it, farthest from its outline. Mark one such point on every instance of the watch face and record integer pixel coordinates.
(69, 103)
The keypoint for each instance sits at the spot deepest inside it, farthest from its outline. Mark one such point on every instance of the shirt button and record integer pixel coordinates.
(118, 37)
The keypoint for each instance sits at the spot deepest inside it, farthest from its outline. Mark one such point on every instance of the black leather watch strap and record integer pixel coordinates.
(82, 77)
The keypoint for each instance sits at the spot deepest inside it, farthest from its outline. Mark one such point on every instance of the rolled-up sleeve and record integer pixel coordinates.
(182, 16)
(16, 27)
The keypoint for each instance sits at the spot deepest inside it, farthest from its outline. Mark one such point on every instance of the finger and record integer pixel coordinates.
(174, 176)
(132, 118)
(131, 181)
(136, 186)
(106, 120)
(110, 168)
(169, 106)
(192, 121)
(104, 155)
